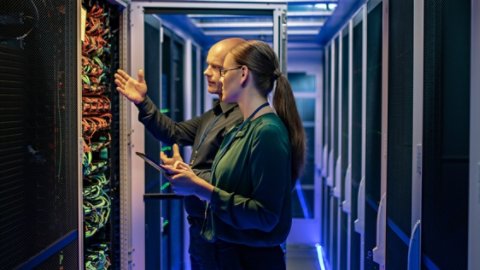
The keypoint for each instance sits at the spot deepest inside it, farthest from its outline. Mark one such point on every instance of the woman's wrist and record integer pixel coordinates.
(204, 189)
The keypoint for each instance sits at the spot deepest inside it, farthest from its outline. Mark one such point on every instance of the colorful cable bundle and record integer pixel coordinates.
(96, 130)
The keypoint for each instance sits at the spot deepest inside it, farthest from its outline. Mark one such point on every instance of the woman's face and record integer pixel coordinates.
(230, 78)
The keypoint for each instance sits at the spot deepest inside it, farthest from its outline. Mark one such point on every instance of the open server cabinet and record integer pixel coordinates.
(101, 36)
(60, 166)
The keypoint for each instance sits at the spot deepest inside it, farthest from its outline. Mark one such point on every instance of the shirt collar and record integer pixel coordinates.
(222, 107)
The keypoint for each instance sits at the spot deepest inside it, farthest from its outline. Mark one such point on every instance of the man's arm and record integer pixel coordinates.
(161, 126)
(164, 128)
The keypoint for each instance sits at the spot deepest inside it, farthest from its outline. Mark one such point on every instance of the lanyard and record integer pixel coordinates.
(204, 136)
(225, 146)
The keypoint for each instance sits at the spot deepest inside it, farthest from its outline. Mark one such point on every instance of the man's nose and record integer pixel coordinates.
(207, 72)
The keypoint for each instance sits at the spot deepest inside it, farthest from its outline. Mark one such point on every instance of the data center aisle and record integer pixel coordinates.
(302, 257)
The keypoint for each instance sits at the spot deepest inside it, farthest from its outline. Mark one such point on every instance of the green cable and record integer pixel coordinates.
(165, 185)
(166, 148)
(165, 223)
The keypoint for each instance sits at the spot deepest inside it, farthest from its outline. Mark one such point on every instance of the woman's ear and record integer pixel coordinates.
(245, 75)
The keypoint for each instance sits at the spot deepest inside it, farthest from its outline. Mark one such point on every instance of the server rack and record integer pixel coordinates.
(39, 153)
(474, 192)
(343, 134)
(446, 126)
(373, 127)
(303, 200)
(400, 116)
(325, 148)
(415, 135)
(173, 60)
(356, 116)
(153, 179)
(355, 134)
(335, 158)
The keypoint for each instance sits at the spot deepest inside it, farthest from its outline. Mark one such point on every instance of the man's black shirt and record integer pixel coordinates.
(204, 133)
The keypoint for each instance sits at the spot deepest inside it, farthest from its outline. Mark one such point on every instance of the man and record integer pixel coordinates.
(205, 134)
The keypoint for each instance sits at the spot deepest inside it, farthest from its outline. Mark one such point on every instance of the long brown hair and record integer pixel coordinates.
(261, 60)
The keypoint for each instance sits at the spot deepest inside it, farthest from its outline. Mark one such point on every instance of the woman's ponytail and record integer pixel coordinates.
(285, 106)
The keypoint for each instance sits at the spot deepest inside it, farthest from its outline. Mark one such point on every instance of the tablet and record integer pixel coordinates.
(150, 162)
(158, 196)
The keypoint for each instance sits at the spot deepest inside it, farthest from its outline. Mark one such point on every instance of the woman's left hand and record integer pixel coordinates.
(182, 178)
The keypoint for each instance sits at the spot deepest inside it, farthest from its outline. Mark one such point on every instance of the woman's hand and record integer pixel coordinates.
(133, 90)
(175, 156)
(185, 182)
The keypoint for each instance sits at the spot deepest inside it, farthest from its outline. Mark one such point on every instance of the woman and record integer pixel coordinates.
(248, 211)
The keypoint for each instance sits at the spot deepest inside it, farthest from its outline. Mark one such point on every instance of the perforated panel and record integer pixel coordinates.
(400, 117)
(38, 142)
(446, 133)
(14, 186)
(373, 129)
(344, 143)
(356, 136)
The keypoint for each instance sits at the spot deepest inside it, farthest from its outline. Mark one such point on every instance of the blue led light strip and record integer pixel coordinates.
(320, 256)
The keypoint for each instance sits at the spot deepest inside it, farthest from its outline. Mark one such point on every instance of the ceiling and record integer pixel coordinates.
(305, 20)
(310, 24)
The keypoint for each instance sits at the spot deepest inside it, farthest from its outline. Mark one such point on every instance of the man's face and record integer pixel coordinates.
(212, 72)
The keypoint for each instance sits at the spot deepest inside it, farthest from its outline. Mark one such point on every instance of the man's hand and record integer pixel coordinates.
(176, 157)
(133, 90)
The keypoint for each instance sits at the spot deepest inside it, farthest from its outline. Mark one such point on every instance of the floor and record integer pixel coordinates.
(302, 257)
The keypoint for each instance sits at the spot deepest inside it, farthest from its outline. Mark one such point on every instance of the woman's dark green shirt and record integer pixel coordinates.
(251, 201)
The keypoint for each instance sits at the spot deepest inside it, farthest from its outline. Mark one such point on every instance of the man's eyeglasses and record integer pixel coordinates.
(224, 71)
(213, 67)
